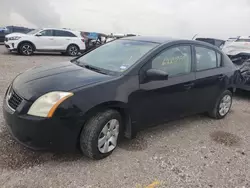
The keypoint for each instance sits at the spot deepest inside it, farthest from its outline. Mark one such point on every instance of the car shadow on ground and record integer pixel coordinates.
(243, 94)
(15, 156)
(35, 54)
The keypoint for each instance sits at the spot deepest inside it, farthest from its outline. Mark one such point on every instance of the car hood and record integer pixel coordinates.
(16, 35)
(64, 76)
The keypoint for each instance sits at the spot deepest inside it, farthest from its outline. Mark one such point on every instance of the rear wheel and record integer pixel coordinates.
(222, 105)
(26, 49)
(73, 50)
(100, 134)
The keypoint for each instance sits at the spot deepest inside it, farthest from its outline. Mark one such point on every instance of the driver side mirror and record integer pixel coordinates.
(38, 34)
(155, 74)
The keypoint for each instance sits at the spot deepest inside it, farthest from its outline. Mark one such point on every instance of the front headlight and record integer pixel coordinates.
(46, 105)
(14, 38)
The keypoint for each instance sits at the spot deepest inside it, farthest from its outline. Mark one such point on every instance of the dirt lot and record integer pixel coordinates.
(194, 152)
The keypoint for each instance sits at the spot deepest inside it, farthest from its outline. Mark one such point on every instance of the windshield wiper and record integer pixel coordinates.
(93, 68)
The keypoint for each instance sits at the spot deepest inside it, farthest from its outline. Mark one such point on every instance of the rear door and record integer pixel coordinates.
(45, 41)
(63, 39)
(210, 77)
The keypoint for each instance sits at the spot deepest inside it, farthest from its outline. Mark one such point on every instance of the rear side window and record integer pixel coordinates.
(205, 59)
(60, 33)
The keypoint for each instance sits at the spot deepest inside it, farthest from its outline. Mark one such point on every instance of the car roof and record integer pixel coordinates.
(62, 29)
(199, 38)
(165, 40)
(244, 37)
(160, 40)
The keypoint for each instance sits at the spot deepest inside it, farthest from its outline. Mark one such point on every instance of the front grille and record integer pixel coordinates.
(6, 39)
(13, 99)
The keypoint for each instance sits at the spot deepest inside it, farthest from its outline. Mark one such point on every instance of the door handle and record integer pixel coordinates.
(189, 85)
(221, 77)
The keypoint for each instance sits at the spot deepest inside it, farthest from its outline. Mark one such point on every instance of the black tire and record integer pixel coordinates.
(214, 113)
(91, 131)
(73, 50)
(26, 49)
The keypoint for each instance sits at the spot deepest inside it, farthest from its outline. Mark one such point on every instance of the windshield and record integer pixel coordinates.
(33, 32)
(116, 56)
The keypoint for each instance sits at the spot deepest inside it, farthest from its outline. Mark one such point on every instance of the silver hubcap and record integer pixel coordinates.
(107, 139)
(27, 49)
(225, 105)
(73, 50)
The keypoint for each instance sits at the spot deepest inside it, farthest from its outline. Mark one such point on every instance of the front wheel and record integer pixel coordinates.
(26, 49)
(100, 134)
(222, 105)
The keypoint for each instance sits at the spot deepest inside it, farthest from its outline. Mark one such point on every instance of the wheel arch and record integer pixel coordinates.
(115, 105)
(26, 41)
(232, 89)
(72, 44)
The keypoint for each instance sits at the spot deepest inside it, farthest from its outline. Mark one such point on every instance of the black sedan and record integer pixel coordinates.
(116, 90)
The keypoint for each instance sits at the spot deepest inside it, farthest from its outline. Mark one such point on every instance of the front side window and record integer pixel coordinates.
(205, 58)
(47, 33)
(174, 61)
(116, 56)
(32, 32)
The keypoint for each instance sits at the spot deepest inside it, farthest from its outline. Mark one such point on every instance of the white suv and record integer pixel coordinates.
(46, 40)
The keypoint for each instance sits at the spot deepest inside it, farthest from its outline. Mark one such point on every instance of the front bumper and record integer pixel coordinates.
(52, 134)
(11, 45)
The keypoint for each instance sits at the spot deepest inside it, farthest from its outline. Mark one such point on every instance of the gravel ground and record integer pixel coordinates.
(193, 152)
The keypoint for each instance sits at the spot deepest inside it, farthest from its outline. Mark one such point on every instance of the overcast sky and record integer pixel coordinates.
(177, 18)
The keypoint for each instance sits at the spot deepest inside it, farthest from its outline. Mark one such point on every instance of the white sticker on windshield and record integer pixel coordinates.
(123, 68)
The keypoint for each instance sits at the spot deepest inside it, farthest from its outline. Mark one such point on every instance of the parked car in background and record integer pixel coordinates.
(238, 50)
(46, 40)
(216, 42)
(12, 29)
(230, 40)
(93, 39)
(115, 90)
(3, 32)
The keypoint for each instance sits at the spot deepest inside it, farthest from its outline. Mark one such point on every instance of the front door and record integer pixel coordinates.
(45, 41)
(157, 101)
